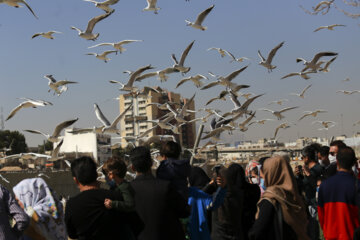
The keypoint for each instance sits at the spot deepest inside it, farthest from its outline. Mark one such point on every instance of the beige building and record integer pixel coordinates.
(135, 123)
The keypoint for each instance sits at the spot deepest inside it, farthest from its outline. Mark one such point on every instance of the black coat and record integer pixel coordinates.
(159, 206)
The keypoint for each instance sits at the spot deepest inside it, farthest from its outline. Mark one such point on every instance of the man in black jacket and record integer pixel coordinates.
(158, 204)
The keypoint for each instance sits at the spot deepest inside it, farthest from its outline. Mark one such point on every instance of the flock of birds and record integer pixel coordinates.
(176, 115)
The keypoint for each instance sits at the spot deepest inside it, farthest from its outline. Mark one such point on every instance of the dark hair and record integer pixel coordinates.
(262, 160)
(170, 149)
(324, 151)
(338, 143)
(84, 170)
(198, 177)
(310, 152)
(346, 158)
(235, 176)
(115, 165)
(140, 158)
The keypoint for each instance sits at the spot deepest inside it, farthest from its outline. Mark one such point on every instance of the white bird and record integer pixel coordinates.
(267, 62)
(314, 64)
(48, 35)
(348, 92)
(151, 6)
(88, 34)
(102, 56)
(238, 109)
(262, 121)
(278, 113)
(200, 18)
(180, 116)
(195, 79)
(43, 175)
(302, 94)
(104, 5)
(55, 136)
(220, 50)
(246, 95)
(242, 126)
(9, 148)
(325, 124)
(55, 152)
(4, 179)
(129, 85)
(215, 133)
(312, 113)
(240, 59)
(279, 102)
(54, 85)
(283, 126)
(117, 45)
(161, 106)
(330, 27)
(161, 75)
(27, 104)
(323, 5)
(109, 127)
(327, 64)
(16, 4)
(180, 65)
(221, 96)
(304, 75)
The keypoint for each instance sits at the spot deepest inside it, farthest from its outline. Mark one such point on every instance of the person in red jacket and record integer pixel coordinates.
(337, 200)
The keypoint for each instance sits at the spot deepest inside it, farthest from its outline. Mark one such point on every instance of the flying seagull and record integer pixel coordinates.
(325, 124)
(302, 94)
(88, 34)
(48, 35)
(16, 3)
(151, 6)
(102, 56)
(117, 45)
(327, 64)
(278, 113)
(109, 127)
(330, 27)
(262, 121)
(55, 136)
(195, 79)
(304, 75)
(283, 126)
(267, 62)
(180, 65)
(27, 104)
(54, 85)
(104, 5)
(241, 59)
(200, 18)
(348, 92)
(279, 102)
(314, 64)
(220, 50)
(311, 113)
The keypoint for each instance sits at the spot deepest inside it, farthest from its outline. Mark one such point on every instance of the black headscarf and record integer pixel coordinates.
(198, 178)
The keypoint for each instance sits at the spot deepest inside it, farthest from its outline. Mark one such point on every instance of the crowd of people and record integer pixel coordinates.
(318, 199)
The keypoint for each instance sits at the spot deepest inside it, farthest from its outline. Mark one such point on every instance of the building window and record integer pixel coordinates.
(143, 127)
(142, 102)
(128, 128)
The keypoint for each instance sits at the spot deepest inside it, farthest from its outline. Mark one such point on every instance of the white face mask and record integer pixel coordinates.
(332, 159)
(254, 180)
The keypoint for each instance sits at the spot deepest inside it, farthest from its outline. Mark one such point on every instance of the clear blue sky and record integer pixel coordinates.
(241, 27)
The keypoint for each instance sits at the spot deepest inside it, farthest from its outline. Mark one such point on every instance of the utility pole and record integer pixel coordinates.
(2, 125)
(197, 141)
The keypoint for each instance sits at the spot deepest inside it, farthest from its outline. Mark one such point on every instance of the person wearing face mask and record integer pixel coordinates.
(331, 169)
(323, 156)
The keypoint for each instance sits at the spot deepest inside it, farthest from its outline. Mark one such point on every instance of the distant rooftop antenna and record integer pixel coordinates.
(2, 125)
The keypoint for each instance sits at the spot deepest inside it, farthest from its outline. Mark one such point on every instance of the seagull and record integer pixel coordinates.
(180, 116)
(104, 5)
(278, 113)
(348, 92)
(111, 128)
(241, 59)
(15, 3)
(54, 85)
(262, 122)
(161, 75)
(221, 96)
(326, 124)
(151, 6)
(226, 81)
(200, 18)
(330, 27)
(180, 65)
(280, 101)
(43, 175)
(238, 109)
(220, 50)
(8, 149)
(311, 113)
(88, 34)
(314, 64)
(195, 79)
(323, 5)
(346, 80)
(102, 56)
(302, 94)
(267, 63)
(55, 136)
(161, 106)
(327, 64)
(210, 113)
(4, 179)
(129, 85)
(215, 133)
(242, 126)
(27, 104)
(283, 126)
(247, 95)
(55, 152)
(304, 75)
(48, 35)
(117, 45)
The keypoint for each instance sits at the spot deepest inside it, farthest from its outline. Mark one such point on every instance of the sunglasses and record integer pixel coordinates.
(332, 153)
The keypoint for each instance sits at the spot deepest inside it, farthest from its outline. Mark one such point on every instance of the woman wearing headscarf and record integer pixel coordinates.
(281, 211)
(45, 209)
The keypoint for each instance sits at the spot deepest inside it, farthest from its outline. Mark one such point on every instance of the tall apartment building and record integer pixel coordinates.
(134, 122)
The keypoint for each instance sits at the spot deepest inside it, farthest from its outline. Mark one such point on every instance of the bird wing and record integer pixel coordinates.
(27, 5)
(135, 74)
(146, 75)
(200, 18)
(63, 125)
(248, 119)
(147, 89)
(121, 115)
(63, 82)
(287, 109)
(128, 41)
(290, 75)
(236, 88)
(249, 101)
(185, 53)
(211, 100)
(108, 52)
(268, 110)
(110, 2)
(212, 84)
(55, 152)
(322, 54)
(261, 56)
(303, 116)
(319, 28)
(303, 92)
(101, 44)
(182, 81)
(174, 58)
(93, 21)
(276, 130)
(187, 104)
(101, 116)
(51, 78)
(273, 52)
(230, 55)
(338, 25)
(232, 75)
(329, 62)
(234, 99)
(36, 35)
(16, 109)
(36, 132)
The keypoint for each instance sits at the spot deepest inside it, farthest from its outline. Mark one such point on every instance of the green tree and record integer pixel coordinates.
(13, 138)
(46, 146)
